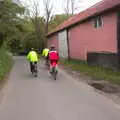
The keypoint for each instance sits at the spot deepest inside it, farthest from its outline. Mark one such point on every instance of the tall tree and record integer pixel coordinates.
(34, 16)
(9, 18)
(71, 6)
(30, 37)
(66, 7)
(36, 22)
(48, 6)
(57, 20)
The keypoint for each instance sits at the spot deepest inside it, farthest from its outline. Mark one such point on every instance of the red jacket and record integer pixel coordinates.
(53, 55)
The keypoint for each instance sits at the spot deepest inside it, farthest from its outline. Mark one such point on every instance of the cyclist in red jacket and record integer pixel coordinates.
(53, 57)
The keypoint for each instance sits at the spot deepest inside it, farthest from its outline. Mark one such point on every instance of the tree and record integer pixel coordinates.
(66, 8)
(57, 20)
(15, 41)
(71, 6)
(48, 6)
(30, 37)
(35, 20)
(35, 15)
(9, 19)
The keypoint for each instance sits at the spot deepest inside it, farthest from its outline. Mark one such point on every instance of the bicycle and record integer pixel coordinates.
(34, 68)
(46, 62)
(54, 70)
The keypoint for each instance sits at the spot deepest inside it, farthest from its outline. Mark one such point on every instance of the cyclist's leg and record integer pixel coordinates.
(31, 68)
(36, 66)
(56, 67)
(45, 59)
(35, 69)
(51, 66)
(57, 64)
(48, 64)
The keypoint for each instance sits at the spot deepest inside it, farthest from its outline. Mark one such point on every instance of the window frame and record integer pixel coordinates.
(98, 22)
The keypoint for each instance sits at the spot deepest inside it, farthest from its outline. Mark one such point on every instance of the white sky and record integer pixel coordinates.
(59, 5)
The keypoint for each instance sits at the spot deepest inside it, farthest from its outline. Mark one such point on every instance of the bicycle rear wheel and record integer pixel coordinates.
(54, 73)
(35, 69)
(36, 72)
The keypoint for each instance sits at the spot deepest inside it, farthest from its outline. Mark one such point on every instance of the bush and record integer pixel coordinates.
(5, 62)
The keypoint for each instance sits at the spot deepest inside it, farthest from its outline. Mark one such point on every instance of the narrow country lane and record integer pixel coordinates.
(29, 98)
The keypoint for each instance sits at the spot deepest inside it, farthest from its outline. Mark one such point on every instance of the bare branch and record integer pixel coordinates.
(48, 6)
(34, 13)
(66, 7)
(71, 6)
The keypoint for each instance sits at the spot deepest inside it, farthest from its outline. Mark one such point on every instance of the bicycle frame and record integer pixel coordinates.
(34, 69)
(54, 69)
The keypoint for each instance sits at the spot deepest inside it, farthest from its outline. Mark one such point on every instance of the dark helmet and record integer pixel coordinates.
(52, 47)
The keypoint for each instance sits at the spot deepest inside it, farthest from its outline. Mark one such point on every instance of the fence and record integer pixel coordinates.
(105, 59)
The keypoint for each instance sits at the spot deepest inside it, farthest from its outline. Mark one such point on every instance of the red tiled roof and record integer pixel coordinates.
(95, 9)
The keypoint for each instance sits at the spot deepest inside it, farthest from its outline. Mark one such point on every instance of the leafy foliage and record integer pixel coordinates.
(57, 20)
(20, 32)
(5, 63)
(10, 19)
(34, 38)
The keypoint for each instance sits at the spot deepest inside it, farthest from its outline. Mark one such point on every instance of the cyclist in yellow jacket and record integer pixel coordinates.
(33, 58)
(45, 55)
(45, 52)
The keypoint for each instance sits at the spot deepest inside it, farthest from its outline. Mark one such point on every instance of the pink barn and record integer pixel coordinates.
(93, 30)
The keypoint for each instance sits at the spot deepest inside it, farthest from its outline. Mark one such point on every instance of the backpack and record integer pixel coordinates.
(53, 55)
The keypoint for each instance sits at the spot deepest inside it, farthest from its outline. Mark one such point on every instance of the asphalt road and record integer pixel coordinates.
(27, 98)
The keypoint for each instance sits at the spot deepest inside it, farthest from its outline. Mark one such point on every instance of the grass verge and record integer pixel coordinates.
(96, 72)
(6, 63)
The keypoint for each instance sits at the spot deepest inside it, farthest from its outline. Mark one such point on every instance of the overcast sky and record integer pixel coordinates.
(59, 5)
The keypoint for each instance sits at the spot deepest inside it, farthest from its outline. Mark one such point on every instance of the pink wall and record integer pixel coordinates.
(53, 40)
(85, 37)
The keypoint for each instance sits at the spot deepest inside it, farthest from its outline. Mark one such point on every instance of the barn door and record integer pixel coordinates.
(63, 44)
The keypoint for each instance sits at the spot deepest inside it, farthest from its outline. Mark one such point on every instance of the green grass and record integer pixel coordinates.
(5, 63)
(95, 72)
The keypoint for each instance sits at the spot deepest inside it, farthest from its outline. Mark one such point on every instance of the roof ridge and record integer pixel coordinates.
(95, 9)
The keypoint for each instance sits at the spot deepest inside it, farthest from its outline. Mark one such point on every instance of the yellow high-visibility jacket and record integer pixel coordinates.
(45, 52)
(32, 56)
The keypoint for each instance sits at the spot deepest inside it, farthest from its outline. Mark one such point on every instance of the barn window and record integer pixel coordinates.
(98, 22)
